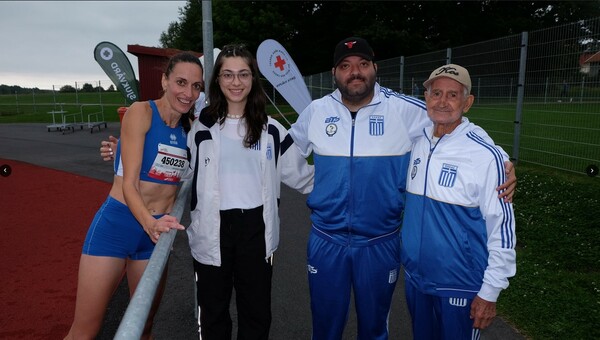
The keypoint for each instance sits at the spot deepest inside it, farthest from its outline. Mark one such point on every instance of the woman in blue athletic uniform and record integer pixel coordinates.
(150, 160)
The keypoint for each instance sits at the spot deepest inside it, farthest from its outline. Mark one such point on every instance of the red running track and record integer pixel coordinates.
(44, 215)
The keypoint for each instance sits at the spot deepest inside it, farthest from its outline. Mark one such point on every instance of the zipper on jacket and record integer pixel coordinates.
(351, 197)
(424, 199)
(431, 149)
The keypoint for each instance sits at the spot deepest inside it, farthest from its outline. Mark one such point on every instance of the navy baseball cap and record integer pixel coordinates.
(352, 46)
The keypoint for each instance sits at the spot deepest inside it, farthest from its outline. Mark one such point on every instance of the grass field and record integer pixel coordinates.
(30, 109)
(556, 292)
(557, 135)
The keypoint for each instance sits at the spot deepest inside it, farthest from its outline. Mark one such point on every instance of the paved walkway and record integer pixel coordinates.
(78, 153)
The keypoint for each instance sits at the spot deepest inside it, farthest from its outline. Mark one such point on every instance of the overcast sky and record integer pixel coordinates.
(45, 43)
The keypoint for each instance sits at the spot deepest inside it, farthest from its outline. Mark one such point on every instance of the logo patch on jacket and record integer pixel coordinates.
(332, 120)
(376, 125)
(331, 127)
(269, 151)
(448, 175)
(413, 172)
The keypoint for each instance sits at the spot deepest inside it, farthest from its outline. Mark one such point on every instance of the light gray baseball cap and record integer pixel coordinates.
(452, 71)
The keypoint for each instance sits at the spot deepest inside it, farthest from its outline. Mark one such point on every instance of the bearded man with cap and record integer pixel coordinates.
(360, 136)
(458, 237)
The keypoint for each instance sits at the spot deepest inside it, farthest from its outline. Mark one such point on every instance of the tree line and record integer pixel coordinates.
(87, 88)
(15, 89)
(309, 30)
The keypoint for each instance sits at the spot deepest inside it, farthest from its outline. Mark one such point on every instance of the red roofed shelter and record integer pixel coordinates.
(589, 63)
(152, 62)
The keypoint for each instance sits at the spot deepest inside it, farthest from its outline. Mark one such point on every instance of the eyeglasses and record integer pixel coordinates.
(243, 76)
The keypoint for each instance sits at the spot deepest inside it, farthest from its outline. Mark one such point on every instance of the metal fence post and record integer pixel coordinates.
(582, 86)
(320, 85)
(520, 97)
(207, 43)
(54, 97)
(33, 95)
(76, 94)
(401, 77)
(510, 89)
(546, 88)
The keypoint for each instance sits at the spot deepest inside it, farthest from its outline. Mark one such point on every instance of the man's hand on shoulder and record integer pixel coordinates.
(107, 148)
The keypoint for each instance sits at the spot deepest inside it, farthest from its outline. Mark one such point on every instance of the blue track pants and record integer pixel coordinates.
(338, 264)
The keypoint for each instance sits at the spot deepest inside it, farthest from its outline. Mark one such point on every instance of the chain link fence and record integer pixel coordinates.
(536, 93)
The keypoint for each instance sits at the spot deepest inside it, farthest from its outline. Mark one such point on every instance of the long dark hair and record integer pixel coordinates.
(184, 57)
(255, 110)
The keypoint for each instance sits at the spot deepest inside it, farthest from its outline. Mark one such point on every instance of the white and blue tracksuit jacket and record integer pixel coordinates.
(280, 162)
(458, 237)
(360, 166)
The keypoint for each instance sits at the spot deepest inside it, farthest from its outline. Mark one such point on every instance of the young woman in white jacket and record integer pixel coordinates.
(238, 156)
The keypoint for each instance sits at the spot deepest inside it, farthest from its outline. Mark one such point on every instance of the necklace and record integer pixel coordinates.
(232, 116)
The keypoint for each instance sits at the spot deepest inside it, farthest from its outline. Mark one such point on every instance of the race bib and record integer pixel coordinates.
(169, 164)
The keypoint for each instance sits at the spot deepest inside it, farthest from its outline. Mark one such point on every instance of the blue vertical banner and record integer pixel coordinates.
(115, 64)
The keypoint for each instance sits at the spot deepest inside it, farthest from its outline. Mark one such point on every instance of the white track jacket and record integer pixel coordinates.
(360, 163)
(458, 237)
(281, 162)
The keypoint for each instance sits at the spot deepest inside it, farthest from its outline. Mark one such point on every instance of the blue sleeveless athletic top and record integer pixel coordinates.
(165, 153)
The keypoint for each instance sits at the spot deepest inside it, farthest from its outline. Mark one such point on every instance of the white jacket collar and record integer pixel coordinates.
(457, 131)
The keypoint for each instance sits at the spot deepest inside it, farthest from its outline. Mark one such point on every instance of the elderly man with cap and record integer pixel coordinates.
(360, 136)
(458, 237)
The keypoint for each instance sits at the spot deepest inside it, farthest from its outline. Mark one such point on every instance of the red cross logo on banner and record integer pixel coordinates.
(280, 63)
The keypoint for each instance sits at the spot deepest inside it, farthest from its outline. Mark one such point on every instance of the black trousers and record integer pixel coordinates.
(243, 267)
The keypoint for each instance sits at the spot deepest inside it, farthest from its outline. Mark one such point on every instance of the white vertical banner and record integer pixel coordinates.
(280, 70)
(216, 52)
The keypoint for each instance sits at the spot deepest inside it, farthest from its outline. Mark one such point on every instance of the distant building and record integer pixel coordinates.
(589, 64)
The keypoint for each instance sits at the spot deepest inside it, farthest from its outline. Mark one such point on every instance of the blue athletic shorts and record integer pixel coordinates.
(115, 232)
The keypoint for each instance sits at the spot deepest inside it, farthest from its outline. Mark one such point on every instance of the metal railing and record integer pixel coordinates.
(134, 320)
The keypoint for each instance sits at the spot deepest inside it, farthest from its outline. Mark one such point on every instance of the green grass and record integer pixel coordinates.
(556, 292)
(557, 135)
(30, 109)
